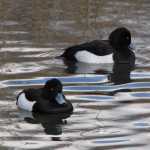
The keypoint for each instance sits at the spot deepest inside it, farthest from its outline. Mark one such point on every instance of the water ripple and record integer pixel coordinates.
(106, 115)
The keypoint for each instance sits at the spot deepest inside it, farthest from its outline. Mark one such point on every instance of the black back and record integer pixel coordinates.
(98, 47)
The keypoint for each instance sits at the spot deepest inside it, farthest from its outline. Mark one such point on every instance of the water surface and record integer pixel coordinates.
(106, 115)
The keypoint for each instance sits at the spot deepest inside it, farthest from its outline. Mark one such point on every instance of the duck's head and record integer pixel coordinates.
(120, 39)
(53, 91)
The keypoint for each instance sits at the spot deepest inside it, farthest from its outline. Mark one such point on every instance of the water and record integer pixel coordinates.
(106, 115)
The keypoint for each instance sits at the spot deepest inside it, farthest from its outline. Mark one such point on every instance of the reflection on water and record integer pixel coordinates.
(78, 68)
(111, 102)
(121, 73)
(52, 124)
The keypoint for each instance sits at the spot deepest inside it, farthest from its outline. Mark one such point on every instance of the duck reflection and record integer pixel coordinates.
(121, 73)
(79, 67)
(52, 123)
(118, 73)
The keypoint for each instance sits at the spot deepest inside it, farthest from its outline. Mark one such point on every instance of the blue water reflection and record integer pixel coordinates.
(112, 140)
(141, 94)
(108, 88)
(142, 125)
(94, 97)
(78, 79)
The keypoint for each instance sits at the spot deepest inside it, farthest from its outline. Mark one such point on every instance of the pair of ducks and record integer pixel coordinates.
(50, 98)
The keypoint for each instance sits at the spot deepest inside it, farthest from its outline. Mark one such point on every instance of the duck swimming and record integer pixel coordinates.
(115, 49)
(48, 99)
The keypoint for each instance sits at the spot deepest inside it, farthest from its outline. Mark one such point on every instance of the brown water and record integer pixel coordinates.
(106, 116)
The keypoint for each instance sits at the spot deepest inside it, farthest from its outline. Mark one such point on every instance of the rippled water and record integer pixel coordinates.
(106, 115)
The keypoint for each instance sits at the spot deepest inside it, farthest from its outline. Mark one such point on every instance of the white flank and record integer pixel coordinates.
(60, 98)
(23, 103)
(87, 57)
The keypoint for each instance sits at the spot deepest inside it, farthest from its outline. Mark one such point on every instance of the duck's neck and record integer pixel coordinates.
(122, 49)
(47, 95)
(122, 55)
(50, 97)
